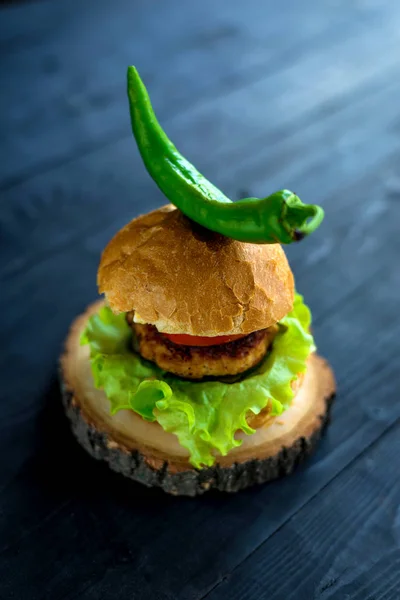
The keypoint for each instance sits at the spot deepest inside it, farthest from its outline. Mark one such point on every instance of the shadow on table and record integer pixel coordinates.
(63, 469)
(84, 520)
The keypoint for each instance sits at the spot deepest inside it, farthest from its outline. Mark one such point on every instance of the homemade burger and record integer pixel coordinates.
(198, 370)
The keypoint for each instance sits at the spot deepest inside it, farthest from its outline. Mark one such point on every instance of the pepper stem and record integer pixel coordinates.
(300, 219)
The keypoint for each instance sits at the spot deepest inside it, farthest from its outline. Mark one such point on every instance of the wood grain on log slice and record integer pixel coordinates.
(145, 452)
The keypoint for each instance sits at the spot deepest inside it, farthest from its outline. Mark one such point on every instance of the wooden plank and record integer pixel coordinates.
(93, 532)
(314, 161)
(226, 528)
(63, 229)
(321, 153)
(222, 524)
(68, 97)
(343, 544)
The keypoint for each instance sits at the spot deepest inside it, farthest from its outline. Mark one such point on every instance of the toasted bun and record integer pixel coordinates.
(145, 452)
(183, 278)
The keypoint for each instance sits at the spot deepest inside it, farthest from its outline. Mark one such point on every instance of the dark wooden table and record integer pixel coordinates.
(260, 95)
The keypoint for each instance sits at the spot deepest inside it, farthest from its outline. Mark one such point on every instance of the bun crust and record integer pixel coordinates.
(183, 278)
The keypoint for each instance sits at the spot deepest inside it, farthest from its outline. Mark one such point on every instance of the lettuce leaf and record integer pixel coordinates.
(203, 415)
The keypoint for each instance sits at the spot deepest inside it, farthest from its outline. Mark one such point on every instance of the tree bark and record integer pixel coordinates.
(146, 453)
(137, 466)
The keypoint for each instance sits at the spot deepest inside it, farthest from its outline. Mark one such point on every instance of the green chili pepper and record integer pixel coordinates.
(279, 218)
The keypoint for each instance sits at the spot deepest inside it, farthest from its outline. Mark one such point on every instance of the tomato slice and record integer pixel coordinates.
(197, 340)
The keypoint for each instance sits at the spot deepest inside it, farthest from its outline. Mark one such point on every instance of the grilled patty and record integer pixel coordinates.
(195, 362)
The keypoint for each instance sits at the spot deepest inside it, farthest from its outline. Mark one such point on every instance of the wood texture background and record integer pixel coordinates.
(260, 95)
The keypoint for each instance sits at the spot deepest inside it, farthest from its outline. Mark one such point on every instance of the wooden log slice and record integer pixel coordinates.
(145, 452)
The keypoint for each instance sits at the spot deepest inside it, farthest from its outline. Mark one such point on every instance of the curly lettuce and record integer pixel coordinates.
(204, 415)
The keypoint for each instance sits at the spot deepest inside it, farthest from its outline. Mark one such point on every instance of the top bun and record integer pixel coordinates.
(183, 278)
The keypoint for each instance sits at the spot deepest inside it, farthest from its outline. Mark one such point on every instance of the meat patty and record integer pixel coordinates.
(196, 362)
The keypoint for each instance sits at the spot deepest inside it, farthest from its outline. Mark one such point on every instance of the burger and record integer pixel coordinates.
(198, 368)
